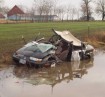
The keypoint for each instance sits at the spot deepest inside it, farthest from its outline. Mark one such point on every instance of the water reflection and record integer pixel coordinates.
(22, 81)
(52, 76)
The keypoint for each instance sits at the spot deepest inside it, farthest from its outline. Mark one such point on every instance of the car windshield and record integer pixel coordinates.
(41, 47)
(32, 48)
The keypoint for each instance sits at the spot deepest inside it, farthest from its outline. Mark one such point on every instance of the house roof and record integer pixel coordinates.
(2, 16)
(15, 10)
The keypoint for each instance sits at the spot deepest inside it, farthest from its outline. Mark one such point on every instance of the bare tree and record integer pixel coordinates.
(86, 8)
(48, 4)
(5, 10)
(54, 7)
(71, 12)
(45, 7)
(68, 10)
(100, 9)
(1, 1)
(33, 13)
(61, 12)
(78, 14)
(38, 5)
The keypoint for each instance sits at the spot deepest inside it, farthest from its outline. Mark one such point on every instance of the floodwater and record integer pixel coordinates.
(79, 79)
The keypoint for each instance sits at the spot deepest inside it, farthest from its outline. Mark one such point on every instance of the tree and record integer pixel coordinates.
(86, 8)
(100, 9)
(44, 7)
(33, 12)
(71, 12)
(68, 12)
(1, 1)
(61, 12)
(78, 14)
(5, 10)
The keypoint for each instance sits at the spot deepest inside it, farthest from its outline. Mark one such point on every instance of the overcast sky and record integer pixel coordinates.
(29, 3)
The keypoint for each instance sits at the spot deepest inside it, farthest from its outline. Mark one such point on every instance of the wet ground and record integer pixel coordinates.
(79, 79)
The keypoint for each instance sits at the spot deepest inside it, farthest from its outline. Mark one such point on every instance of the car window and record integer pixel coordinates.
(33, 48)
(45, 47)
(41, 47)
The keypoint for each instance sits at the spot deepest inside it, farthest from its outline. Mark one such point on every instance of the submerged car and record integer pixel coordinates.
(62, 46)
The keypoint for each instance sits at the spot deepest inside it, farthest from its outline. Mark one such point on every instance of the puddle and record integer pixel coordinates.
(79, 79)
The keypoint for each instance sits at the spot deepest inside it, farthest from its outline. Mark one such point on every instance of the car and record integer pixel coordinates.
(62, 46)
(34, 53)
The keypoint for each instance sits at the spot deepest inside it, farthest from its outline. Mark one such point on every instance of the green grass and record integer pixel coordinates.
(10, 34)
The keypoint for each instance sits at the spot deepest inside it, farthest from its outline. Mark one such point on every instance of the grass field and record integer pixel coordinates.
(10, 34)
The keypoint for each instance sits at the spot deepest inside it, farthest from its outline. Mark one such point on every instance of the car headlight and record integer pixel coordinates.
(35, 59)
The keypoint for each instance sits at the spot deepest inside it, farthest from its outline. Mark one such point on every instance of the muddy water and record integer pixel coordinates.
(79, 79)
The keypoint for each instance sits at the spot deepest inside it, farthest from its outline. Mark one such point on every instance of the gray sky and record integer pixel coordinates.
(11, 3)
(29, 3)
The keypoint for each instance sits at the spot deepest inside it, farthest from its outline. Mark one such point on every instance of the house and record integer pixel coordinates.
(2, 17)
(15, 13)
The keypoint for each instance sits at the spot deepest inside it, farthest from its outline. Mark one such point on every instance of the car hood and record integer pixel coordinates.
(66, 35)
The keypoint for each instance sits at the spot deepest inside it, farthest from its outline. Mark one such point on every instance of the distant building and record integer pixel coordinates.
(84, 18)
(46, 18)
(2, 17)
(15, 13)
(39, 17)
